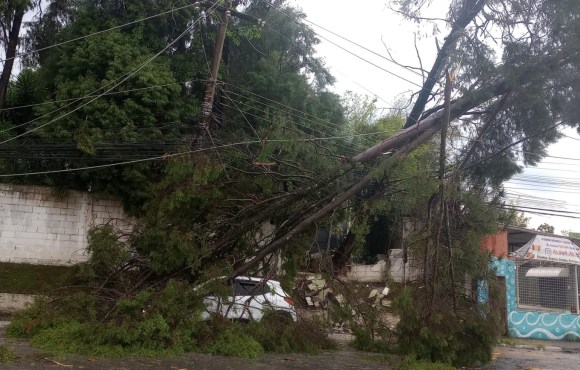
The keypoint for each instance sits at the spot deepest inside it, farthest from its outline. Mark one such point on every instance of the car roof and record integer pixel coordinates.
(259, 279)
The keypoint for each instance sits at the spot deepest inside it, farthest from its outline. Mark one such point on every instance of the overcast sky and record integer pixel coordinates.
(553, 184)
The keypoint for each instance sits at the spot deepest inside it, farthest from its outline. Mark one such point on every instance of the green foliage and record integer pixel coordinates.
(546, 228)
(437, 335)
(29, 322)
(517, 219)
(106, 252)
(365, 340)
(439, 320)
(6, 355)
(239, 344)
(151, 323)
(409, 363)
(280, 334)
(369, 325)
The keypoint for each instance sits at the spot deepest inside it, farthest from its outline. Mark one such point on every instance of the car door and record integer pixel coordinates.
(221, 301)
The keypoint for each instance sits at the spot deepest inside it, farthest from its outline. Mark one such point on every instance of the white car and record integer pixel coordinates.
(251, 298)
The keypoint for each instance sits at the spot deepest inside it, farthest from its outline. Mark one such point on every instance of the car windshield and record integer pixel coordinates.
(249, 287)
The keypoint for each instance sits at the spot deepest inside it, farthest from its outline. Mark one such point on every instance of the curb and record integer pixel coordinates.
(543, 348)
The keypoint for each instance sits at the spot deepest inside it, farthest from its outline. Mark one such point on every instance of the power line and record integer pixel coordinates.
(521, 150)
(550, 190)
(171, 155)
(100, 32)
(355, 82)
(548, 169)
(291, 16)
(110, 93)
(537, 212)
(550, 210)
(127, 76)
(371, 63)
(316, 120)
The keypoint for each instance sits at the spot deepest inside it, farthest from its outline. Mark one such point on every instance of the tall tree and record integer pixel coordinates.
(546, 228)
(11, 17)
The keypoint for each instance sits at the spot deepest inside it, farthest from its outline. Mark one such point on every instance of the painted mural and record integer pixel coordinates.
(534, 324)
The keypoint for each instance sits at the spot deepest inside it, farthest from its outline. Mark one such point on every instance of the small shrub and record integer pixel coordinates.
(6, 355)
(409, 363)
(27, 323)
(364, 341)
(150, 322)
(281, 335)
(235, 343)
(437, 335)
(571, 338)
(71, 337)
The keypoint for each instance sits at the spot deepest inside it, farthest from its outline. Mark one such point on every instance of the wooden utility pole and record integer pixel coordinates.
(207, 105)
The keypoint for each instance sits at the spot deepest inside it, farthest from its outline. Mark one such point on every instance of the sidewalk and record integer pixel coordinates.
(542, 345)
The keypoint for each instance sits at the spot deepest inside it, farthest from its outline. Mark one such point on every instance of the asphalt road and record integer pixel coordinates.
(507, 358)
(534, 355)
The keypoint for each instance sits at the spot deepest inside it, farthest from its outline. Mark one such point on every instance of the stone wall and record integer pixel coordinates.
(38, 227)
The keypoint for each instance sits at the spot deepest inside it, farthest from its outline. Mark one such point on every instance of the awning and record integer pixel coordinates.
(550, 248)
(548, 272)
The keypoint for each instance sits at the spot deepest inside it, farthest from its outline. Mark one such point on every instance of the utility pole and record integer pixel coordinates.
(207, 105)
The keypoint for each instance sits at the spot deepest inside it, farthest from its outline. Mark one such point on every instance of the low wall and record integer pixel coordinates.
(534, 324)
(544, 325)
(10, 303)
(368, 273)
(37, 227)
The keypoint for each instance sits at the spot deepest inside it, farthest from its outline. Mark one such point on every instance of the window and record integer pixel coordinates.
(249, 287)
(547, 286)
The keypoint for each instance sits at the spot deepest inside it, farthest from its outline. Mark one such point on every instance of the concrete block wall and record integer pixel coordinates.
(39, 228)
(401, 271)
(368, 273)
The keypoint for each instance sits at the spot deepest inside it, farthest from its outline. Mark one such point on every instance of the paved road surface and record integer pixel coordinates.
(507, 358)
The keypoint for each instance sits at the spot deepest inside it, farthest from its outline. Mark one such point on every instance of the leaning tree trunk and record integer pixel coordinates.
(469, 10)
(342, 255)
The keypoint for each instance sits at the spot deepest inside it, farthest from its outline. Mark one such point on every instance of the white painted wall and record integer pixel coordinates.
(400, 271)
(368, 273)
(38, 228)
(10, 303)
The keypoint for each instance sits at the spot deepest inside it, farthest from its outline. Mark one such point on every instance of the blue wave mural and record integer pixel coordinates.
(534, 324)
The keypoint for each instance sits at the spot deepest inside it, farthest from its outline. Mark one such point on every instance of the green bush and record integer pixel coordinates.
(27, 323)
(6, 355)
(409, 363)
(440, 336)
(364, 341)
(152, 322)
(235, 343)
(279, 334)
(155, 321)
